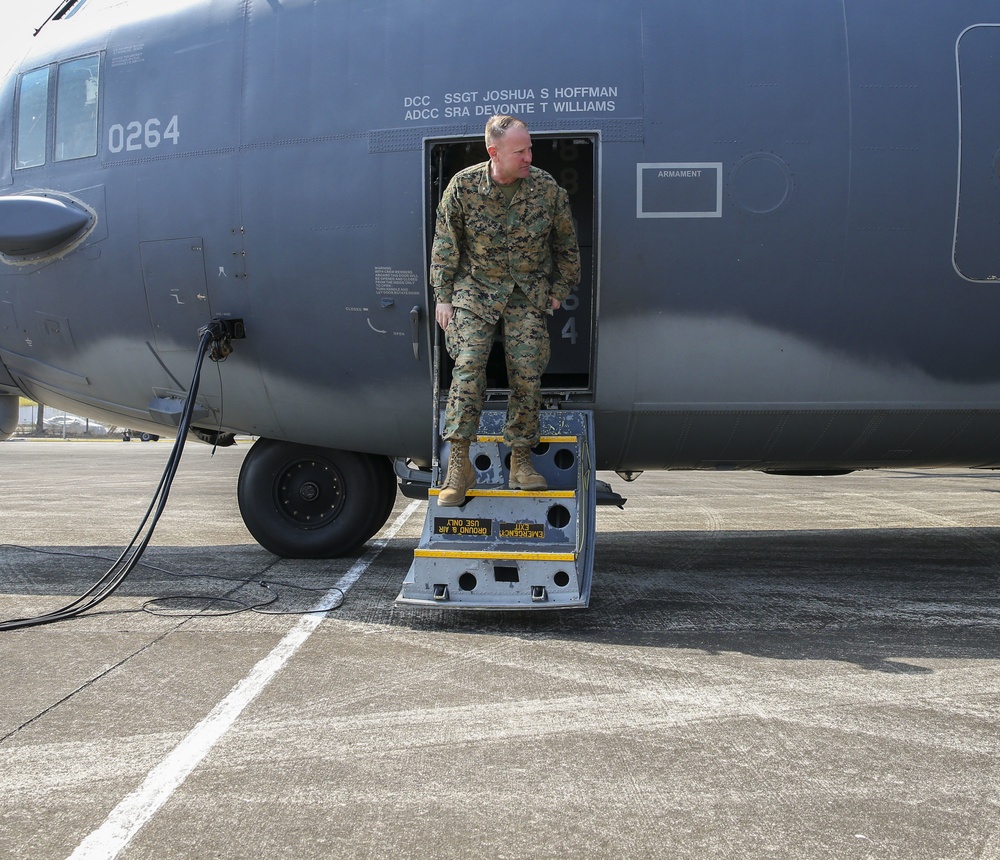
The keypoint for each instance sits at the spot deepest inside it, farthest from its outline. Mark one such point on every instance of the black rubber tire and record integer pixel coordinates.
(385, 478)
(302, 501)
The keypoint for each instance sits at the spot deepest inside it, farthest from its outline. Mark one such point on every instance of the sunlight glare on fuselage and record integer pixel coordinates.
(18, 20)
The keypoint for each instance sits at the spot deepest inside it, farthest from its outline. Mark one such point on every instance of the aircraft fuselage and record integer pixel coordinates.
(788, 214)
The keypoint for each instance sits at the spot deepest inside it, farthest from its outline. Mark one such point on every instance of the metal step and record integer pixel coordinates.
(512, 549)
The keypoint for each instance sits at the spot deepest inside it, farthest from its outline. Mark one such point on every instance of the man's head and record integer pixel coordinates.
(509, 146)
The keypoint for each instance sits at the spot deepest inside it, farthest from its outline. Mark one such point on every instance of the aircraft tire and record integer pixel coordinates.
(303, 501)
(385, 478)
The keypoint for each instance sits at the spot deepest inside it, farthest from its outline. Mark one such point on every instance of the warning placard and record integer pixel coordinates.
(521, 531)
(463, 527)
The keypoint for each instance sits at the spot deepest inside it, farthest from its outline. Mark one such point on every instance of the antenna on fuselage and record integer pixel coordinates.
(61, 11)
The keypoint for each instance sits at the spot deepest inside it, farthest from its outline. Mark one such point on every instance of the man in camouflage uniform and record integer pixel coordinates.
(505, 252)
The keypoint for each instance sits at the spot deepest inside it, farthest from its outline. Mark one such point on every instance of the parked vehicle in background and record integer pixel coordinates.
(143, 436)
(71, 425)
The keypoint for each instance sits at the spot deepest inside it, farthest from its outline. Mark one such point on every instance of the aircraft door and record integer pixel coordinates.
(977, 234)
(571, 329)
(572, 160)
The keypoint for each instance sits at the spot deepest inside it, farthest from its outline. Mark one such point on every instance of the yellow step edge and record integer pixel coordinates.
(496, 556)
(514, 494)
(552, 440)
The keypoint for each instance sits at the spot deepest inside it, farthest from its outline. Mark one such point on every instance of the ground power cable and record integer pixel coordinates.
(212, 335)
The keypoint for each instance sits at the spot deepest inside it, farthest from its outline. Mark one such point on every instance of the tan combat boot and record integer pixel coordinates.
(461, 476)
(522, 474)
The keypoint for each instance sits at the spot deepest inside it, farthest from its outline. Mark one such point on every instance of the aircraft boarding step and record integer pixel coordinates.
(513, 549)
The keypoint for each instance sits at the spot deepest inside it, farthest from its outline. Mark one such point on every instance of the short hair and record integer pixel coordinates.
(496, 127)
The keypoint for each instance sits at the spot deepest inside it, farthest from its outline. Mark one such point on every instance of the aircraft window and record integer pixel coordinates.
(76, 108)
(32, 118)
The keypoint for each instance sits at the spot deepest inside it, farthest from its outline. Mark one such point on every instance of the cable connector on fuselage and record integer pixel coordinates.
(224, 332)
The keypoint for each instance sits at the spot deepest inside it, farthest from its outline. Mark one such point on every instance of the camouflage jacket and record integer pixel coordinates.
(483, 248)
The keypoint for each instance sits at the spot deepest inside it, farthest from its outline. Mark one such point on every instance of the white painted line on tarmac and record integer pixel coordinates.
(135, 810)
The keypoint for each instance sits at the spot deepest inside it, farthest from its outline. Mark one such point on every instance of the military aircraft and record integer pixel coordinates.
(789, 215)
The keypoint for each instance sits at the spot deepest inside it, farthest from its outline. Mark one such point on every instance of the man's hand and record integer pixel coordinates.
(443, 312)
(556, 304)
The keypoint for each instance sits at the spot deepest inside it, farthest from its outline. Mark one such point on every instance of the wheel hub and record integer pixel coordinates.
(309, 492)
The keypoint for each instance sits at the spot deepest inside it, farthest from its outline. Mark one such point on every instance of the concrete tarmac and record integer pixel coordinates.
(769, 668)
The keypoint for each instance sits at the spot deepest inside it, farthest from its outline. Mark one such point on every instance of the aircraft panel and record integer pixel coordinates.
(325, 268)
(173, 273)
(977, 234)
(814, 440)
(743, 292)
(900, 270)
(176, 94)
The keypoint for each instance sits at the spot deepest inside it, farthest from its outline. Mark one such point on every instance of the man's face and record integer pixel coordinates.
(511, 156)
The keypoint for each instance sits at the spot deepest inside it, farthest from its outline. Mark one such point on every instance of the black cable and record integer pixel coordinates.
(150, 606)
(129, 558)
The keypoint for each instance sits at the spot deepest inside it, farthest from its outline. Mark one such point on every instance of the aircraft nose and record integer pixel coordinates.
(32, 224)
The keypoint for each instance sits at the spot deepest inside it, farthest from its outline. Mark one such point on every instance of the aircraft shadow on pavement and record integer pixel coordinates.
(180, 581)
(873, 597)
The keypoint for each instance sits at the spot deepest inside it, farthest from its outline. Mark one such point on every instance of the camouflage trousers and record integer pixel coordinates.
(468, 339)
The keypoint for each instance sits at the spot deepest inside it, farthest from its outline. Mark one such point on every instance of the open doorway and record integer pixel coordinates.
(572, 160)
